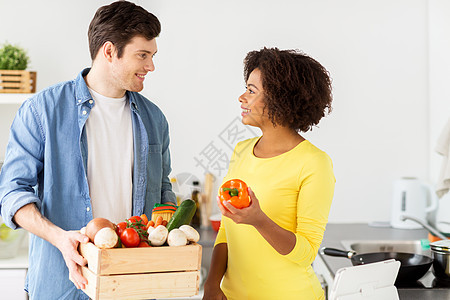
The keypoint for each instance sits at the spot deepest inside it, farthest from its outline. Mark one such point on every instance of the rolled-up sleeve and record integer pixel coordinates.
(23, 162)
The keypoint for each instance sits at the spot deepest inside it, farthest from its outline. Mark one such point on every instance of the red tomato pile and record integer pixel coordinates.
(133, 232)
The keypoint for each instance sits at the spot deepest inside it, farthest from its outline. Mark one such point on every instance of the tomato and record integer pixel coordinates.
(135, 219)
(143, 244)
(121, 227)
(137, 223)
(130, 238)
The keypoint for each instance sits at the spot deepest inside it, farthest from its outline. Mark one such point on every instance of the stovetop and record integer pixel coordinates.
(428, 281)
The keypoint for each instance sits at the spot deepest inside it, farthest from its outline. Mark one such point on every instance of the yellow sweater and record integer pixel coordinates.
(295, 190)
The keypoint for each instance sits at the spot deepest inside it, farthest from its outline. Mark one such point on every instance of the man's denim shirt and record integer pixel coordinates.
(47, 150)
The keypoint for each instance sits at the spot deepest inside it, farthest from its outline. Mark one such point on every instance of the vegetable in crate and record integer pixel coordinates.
(177, 238)
(235, 191)
(137, 223)
(182, 236)
(158, 236)
(183, 215)
(130, 238)
(102, 233)
(133, 232)
(192, 235)
(120, 227)
(165, 210)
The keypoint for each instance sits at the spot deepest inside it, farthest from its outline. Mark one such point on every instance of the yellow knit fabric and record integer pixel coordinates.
(295, 190)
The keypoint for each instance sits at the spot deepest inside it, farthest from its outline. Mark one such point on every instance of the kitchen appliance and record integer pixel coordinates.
(443, 214)
(440, 251)
(411, 197)
(371, 281)
(413, 266)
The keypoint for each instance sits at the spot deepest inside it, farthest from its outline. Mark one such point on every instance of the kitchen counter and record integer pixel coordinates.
(335, 233)
(207, 237)
(18, 262)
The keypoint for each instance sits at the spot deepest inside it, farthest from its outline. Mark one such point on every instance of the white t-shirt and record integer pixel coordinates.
(110, 157)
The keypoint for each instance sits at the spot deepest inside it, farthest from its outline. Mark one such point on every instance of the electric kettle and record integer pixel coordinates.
(411, 197)
(443, 214)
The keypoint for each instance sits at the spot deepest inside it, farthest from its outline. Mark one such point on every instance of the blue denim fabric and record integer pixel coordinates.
(47, 149)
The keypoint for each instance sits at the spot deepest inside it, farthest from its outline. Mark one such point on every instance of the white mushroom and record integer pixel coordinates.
(106, 238)
(158, 236)
(150, 229)
(95, 225)
(191, 234)
(177, 238)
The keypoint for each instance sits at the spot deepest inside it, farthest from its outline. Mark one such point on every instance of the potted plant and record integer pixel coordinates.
(13, 58)
(13, 76)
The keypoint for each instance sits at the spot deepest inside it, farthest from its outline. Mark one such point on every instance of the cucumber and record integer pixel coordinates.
(183, 215)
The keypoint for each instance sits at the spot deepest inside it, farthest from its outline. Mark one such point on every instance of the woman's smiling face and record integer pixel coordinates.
(252, 101)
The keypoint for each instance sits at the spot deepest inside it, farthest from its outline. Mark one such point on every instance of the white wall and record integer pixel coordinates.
(439, 76)
(439, 96)
(376, 52)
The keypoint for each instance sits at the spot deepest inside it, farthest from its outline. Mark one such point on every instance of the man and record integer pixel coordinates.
(92, 147)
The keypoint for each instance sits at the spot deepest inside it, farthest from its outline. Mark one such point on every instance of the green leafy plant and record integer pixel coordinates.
(13, 57)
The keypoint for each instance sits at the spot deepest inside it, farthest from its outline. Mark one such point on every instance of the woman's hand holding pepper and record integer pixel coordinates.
(251, 215)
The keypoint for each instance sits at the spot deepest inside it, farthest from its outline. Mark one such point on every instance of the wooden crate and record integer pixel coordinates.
(17, 81)
(142, 273)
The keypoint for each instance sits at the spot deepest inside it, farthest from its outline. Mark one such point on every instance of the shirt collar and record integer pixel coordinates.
(82, 93)
(131, 97)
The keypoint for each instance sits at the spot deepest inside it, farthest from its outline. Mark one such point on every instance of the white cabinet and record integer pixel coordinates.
(12, 283)
(12, 275)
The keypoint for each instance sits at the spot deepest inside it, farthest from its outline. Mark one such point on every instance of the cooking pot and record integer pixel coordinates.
(411, 197)
(440, 251)
(412, 266)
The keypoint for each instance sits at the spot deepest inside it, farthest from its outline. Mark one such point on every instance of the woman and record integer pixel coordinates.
(265, 251)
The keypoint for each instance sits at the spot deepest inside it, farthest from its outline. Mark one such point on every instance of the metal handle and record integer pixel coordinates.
(337, 252)
(425, 225)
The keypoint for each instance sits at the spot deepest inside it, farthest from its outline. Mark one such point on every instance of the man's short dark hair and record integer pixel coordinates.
(118, 23)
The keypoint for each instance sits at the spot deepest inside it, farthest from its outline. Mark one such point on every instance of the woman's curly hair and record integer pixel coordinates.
(297, 88)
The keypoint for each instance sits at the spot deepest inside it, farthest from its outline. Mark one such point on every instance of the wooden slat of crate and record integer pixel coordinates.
(142, 286)
(17, 81)
(142, 260)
